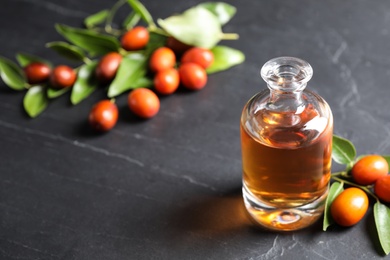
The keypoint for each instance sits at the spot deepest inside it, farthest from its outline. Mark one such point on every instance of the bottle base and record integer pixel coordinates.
(283, 219)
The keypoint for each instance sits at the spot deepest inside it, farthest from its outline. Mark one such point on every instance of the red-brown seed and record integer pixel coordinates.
(62, 77)
(37, 72)
(163, 58)
(202, 57)
(369, 169)
(166, 81)
(108, 66)
(382, 188)
(103, 116)
(135, 39)
(192, 76)
(349, 207)
(143, 102)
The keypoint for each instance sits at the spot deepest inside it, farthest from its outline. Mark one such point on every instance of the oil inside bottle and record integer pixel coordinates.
(286, 140)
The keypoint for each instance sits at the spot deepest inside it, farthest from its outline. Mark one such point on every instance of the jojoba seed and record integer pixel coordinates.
(103, 116)
(143, 102)
(192, 76)
(382, 188)
(108, 66)
(135, 39)
(161, 59)
(62, 77)
(37, 72)
(166, 81)
(202, 57)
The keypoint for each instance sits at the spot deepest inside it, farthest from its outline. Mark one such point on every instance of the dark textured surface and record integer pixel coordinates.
(169, 188)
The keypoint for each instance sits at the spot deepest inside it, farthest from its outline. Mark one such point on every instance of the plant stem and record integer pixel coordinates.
(122, 52)
(343, 174)
(350, 165)
(87, 60)
(157, 30)
(110, 17)
(152, 26)
(110, 30)
(114, 32)
(229, 36)
(338, 173)
(365, 188)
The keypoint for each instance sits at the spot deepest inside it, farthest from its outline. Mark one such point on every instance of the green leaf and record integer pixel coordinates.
(344, 151)
(96, 19)
(66, 50)
(131, 69)
(223, 11)
(24, 59)
(197, 27)
(334, 191)
(143, 82)
(35, 101)
(155, 41)
(12, 75)
(93, 42)
(140, 9)
(131, 20)
(85, 84)
(225, 58)
(382, 222)
(54, 92)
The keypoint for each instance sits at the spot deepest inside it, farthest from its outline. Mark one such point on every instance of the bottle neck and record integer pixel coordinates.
(285, 101)
(286, 77)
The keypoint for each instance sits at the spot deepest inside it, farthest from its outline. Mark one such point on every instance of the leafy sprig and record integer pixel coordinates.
(344, 153)
(199, 26)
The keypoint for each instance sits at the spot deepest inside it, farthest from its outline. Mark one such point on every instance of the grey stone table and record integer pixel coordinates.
(169, 188)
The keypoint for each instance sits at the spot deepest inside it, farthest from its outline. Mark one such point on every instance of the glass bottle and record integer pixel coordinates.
(286, 142)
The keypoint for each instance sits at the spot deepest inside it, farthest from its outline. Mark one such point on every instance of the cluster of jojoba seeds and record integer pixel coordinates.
(61, 76)
(370, 172)
(168, 74)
